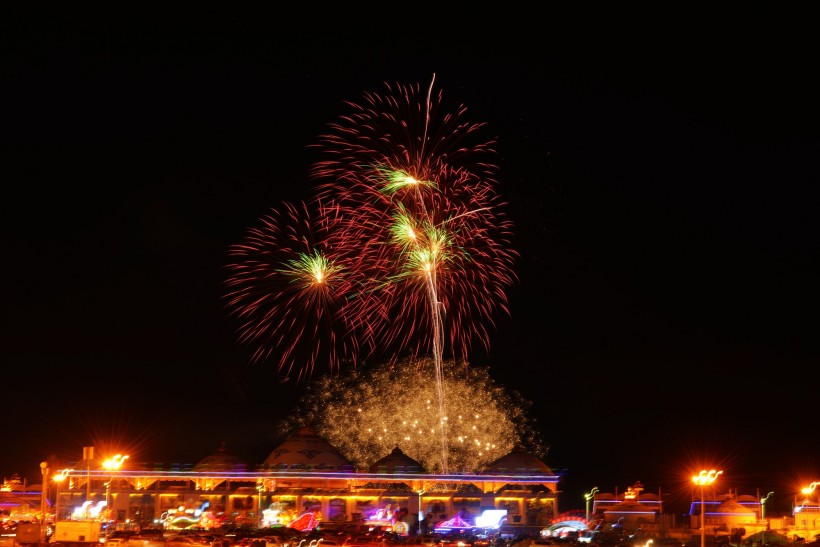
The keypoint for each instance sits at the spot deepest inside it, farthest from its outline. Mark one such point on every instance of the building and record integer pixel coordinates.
(304, 475)
(631, 512)
(18, 500)
(727, 517)
(806, 514)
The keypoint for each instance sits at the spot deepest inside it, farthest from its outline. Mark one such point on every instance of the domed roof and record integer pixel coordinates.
(518, 462)
(397, 462)
(306, 451)
(732, 506)
(222, 460)
(627, 506)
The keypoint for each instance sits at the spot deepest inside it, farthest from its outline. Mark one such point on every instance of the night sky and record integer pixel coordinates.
(662, 184)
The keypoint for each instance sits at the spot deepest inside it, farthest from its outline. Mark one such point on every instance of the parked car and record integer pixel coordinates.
(427, 541)
(365, 541)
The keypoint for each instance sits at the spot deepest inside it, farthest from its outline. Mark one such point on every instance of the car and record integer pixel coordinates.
(186, 540)
(428, 541)
(273, 540)
(364, 541)
(117, 538)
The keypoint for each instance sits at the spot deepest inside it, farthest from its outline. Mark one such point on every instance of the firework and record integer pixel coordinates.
(285, 288)
(414, 251)
(414, 191)
(366, 413)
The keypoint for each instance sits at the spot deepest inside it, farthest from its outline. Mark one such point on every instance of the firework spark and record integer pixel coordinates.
(368, 412)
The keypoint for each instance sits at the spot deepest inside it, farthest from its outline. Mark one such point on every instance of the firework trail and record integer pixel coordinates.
(414, 231)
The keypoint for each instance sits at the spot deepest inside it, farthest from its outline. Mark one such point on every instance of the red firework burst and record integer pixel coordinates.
(285, 287)
(414, 192)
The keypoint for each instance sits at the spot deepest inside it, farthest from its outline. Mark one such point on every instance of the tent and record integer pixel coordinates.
(455, 523)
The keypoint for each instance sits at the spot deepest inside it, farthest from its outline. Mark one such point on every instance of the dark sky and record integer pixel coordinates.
(662, 183)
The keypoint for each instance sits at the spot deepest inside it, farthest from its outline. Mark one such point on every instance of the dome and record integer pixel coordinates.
(222, 460)
(397, 462)
(306, 451)
(732, 506)
(518, 462)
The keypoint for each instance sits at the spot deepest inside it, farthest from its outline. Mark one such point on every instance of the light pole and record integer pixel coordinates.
(763, 505)
(259, 488)
(807, 491)
(763, 513)
(702, 479)
(421, 514)
(43, 496)
(58, 478)
(111, 464)
(589, 496)
(88, 455)
(810, 488)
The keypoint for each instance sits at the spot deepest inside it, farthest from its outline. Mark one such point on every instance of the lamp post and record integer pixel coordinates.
(259, 488)
(88, 455)
(421, 512)
(58, 479)
(763, 514)
(589, 496)
(763, 505)
(111, 464)
(43, 496)
(702, 479)
(807, 491)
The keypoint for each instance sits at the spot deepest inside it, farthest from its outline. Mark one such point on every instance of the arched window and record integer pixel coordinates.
(337, 510)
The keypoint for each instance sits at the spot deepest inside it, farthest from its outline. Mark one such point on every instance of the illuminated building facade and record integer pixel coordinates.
(305, 475)
(634, 509)
(806, 512)
(728, 517)
(18, 500)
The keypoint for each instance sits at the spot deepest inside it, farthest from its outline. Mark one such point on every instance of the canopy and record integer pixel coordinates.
(455, 523)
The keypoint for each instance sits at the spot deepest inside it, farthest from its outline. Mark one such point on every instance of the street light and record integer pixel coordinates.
(589, 496)
(763, 514)
(807, 491)
(810, 488)
(43, 496)
(704, 478)
(111, 464)
(59, 478)
(763, 505)
(421, 513)
(259, 488)
(88, 455)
